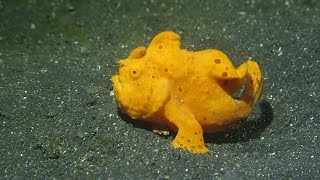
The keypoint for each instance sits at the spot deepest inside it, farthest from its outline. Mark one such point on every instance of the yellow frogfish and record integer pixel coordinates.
(189, 93)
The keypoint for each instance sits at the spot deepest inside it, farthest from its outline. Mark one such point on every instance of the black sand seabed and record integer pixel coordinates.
(58, 118)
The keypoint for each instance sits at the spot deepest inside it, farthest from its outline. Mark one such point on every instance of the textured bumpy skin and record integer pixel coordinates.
(187, 92)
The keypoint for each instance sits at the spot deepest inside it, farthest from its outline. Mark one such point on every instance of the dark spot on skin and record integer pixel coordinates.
(180, 89)
(227, 68)
(165, 69)
(199, 146)
(193, 147)
(152, 77)
(160, 46)
(188, 140)
(205, 118)
(195, 133)
(182, 137)
(122, 65)
(134, 72)
(217, 61)
(224, 74)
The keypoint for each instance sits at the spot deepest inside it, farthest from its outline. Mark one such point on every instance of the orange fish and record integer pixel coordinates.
(188, 92)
